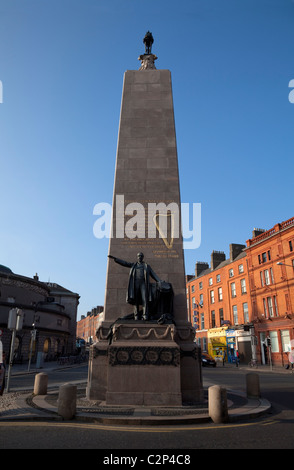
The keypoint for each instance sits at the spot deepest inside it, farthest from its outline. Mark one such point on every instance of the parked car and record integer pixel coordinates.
(207, 360)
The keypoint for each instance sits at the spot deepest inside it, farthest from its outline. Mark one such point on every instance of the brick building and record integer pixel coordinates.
(270, 256)
(239, 302)
(88, 325)
(218, 304)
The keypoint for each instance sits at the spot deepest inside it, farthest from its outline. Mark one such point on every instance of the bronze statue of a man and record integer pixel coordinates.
(148, 41)
(139, 291)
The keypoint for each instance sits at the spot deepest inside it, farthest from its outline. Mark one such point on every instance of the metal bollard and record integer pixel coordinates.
(252, 385)
(67, 401)
(40, 384)
(217, 404)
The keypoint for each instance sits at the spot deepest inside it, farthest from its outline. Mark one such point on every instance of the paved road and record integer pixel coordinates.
(25, 381)
(275, 430)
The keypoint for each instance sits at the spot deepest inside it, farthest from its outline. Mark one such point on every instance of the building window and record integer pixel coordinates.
(193, 302)
(265, 308)
(274, 341)
(270, 306)
(272, 275)
(210, 281)
(201, 299)
(212, 318)
(243, 286)
(266, 277)
(241, 268)
(195, 319)
(264, 257)
(204, 344)
(193, 289)
(212, 296)
(231, 273)
(11, 300)
(202, 321)
(235, 314)
(233, 289)
(221, 316)
(290, 245)
(245, 312)
(261, 278)
(218, 278)
(276, 306)
(285, 338)
(200, 285)
(220, 293)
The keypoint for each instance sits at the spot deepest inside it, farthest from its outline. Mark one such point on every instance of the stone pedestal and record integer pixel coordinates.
(145, 364)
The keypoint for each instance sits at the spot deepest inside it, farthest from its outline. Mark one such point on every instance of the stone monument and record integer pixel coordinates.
(145, 352)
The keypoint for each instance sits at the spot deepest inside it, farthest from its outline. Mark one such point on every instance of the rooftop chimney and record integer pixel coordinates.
(257, 231)
(217, 257)
(235, 250)
(200, 267)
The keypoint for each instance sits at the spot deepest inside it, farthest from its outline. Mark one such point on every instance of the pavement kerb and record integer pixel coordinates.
(42, 410)
(254, 408)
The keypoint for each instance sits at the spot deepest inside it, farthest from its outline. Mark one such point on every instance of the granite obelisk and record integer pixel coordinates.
(138, 360)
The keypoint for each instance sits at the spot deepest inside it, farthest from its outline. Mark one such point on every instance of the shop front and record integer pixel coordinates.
(217, 343)
(231, 345)
(240, 339)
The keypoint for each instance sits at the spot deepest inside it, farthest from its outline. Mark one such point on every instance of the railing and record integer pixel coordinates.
(287, 223)
(69, 360)
(271, 231)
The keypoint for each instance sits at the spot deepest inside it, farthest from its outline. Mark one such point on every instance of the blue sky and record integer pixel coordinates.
(61, 67)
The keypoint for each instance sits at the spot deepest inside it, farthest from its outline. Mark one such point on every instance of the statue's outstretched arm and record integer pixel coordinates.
(126, 264)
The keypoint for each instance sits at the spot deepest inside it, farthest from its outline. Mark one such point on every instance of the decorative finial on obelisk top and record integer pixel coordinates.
(147, 59)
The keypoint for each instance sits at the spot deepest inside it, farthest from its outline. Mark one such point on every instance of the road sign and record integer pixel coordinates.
(15, 319)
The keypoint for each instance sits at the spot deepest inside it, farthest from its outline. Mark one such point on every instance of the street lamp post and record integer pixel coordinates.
(49, 301)
(33, 338)
(279, 263)
(15, 321)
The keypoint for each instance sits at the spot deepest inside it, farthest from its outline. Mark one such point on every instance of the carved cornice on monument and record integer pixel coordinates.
(121, 332)
(138, 355)
(147, 61)
(185, 333)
